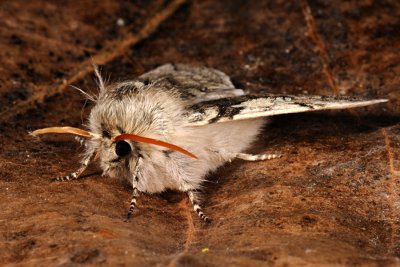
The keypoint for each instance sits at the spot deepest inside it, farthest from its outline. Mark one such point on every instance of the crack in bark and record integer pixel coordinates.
(392, 195)
(109, 53)
(314, 36)
(189, 234)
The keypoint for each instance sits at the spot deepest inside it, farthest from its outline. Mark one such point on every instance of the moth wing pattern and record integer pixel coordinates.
(250, 107)
(211, 96)
(195, 84)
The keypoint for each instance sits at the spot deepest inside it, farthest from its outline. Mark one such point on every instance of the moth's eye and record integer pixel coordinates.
(122, 148)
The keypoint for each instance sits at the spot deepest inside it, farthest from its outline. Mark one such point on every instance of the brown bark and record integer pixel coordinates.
(331, 199)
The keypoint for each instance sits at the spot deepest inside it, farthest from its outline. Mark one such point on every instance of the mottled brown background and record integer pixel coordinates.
(332, 199)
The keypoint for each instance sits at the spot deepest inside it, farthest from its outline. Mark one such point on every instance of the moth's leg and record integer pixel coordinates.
(75, 175)
(250, 157)
(196, 207)
(135, 191)
(135, 194)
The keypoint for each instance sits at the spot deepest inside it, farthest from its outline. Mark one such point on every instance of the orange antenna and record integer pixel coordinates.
(65, 130)
(152, 141)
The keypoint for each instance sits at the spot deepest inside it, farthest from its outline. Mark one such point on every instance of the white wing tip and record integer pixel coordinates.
(383, 100)
(356, 104)
(372, 102)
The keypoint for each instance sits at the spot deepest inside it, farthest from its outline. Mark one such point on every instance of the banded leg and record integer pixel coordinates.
(74, 175)
(135, 191)
(132, 206)
(250, 157)
(196, 207)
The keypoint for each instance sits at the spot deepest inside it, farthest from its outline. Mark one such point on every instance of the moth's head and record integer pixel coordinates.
(121, 110)
(117, 157)
(136, 107)
(116, 151)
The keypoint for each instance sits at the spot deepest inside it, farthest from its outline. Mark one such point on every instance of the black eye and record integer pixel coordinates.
(122, 148)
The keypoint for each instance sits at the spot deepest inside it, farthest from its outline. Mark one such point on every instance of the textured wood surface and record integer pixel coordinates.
(332, 199)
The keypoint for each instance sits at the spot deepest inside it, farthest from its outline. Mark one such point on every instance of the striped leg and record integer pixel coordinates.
(74, 175)
(135, 192)
(132, 206)
(196, 207)
(250, 157)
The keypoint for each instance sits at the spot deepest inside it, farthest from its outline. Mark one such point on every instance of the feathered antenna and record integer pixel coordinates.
(65, 130)
(152, 141)
(133, 137)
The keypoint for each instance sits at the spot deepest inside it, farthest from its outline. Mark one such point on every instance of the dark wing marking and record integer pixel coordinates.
(195, 84)
(249, 107)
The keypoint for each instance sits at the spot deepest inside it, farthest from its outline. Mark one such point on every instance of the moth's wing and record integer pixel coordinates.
(249, 107)
(196, 84)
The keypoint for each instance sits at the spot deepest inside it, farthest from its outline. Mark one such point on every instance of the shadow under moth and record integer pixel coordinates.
(175, 124)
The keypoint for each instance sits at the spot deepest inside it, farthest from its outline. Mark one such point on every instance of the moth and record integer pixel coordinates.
(173, 125)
